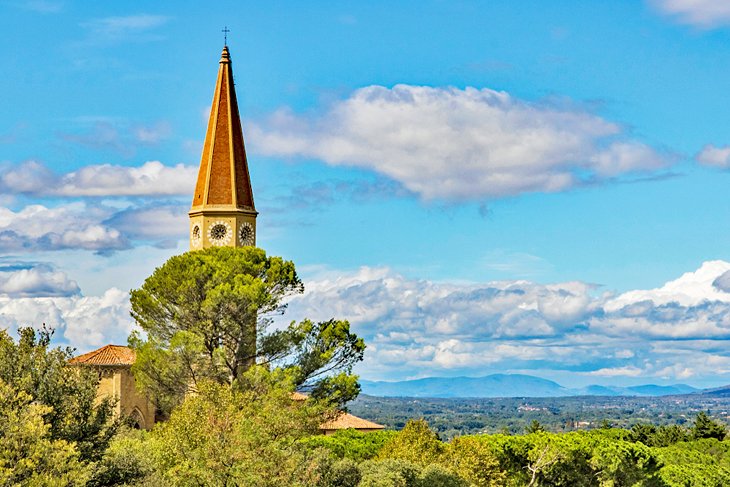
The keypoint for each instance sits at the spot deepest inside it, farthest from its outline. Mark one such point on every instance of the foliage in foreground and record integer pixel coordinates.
(28, 454)
(68, 395)
(53, 431)
(603, 457)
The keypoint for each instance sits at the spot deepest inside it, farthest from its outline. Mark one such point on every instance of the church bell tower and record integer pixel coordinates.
(223, 213)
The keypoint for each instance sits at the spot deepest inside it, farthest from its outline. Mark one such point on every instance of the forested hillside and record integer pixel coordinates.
(456, 417)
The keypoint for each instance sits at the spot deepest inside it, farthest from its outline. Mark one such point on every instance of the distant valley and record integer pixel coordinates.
(510, 385)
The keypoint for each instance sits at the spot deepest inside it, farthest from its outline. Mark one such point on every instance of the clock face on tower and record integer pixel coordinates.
(220, 233)
(246, 234)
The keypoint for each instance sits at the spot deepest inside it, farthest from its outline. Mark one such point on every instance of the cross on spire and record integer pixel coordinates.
(225, 35)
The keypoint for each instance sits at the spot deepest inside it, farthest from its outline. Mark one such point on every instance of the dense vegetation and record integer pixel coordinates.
(232, 418)
(644, 455)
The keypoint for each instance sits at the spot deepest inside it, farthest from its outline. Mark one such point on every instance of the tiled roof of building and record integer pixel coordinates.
(346, 420)
(223, 179)
(108, 355)
(343, 420)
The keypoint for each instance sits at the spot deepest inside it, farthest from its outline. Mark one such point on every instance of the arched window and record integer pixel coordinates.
(137, 419)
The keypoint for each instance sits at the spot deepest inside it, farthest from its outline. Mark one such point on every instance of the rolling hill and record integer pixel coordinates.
(510, 385)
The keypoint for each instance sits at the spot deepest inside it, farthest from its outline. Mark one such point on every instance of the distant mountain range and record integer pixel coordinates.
(515, 385)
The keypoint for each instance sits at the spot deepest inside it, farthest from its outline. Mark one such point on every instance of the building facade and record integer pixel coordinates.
(114, 365)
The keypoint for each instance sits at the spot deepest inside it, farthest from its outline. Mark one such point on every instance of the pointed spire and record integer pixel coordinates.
(223, 178)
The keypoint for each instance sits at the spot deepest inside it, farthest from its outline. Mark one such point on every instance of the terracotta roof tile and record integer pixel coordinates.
(346, 420)
(298, 396)
(106, 355)
(223, 177)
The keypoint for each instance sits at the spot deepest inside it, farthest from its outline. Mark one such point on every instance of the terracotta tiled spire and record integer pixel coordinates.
(223, 179)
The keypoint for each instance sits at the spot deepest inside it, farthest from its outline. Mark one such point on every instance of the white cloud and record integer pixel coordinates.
(150, 179)
(492, 310)
(701, 13)
(714, 156)
(448, 143)
(417, 328)
(84, 322)
(36, 281)
(74, 226)
(99, 226)
(628, 371)
(690, 289)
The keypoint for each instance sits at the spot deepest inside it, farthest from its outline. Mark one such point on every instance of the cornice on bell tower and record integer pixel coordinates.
(223, 194)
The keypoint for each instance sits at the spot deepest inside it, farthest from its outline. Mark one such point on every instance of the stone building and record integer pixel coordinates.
(114, 364)
(222, 214)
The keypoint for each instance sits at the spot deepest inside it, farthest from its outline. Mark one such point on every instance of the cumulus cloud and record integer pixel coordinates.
(453, 144)
(492, 310)
(74, 226)
(700, 13)
(150, 179)
(35, 281)
(690, 289)
(713, 156)
(419, 327)
(84, 322)
(101, 227)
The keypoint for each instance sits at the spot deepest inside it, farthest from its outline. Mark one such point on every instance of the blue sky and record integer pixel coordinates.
(501, 186)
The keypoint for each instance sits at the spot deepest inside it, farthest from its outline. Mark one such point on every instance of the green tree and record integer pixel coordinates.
(704, 462)
(28, 454)
(351, 444)
(331, 472)
(126, 462)
(472, 459)
(706, 427)
(73, 414)
(435, 475)
(693, 474)
(389, 472)
(206, 316)
(534, 427)
(668, 435)
(619, 463)
(415, 443)
(241, 435)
